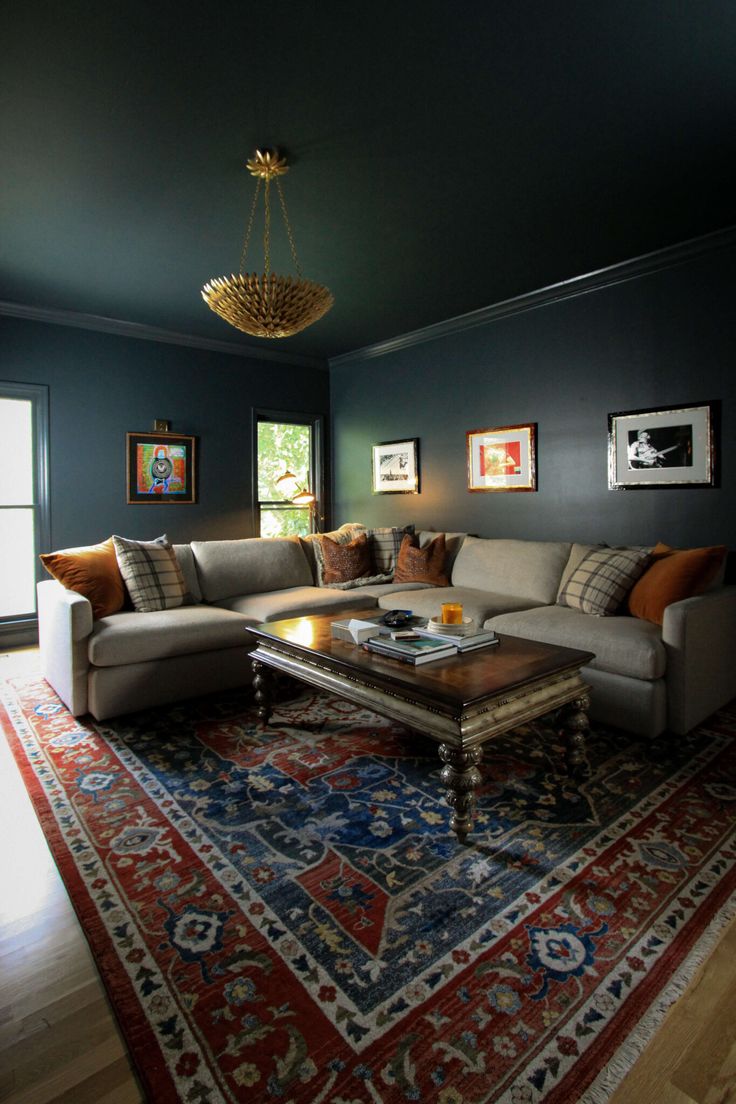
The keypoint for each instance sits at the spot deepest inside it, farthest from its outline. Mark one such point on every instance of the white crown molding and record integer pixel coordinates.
(647, 263)
(122, 328)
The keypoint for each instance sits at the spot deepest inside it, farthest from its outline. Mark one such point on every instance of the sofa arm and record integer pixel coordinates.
(699, 635)
(64, 626)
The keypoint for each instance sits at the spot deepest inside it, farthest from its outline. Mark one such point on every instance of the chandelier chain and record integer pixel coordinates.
(267, 228)
(285, 213)
(250, 227)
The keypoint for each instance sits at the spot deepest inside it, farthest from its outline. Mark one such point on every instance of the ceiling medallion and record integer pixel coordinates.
(267, 305)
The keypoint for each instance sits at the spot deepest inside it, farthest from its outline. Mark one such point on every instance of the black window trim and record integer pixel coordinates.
(291, 417)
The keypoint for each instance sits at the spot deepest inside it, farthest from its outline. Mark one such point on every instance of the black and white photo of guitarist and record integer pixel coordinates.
(643, 453)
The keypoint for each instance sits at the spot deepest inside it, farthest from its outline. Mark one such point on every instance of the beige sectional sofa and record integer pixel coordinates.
(645, 678)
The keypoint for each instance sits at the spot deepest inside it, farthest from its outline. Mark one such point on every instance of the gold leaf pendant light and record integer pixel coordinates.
(267, 305)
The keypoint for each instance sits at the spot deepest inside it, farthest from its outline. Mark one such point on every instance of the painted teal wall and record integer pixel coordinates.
(663, 339)
(102, 386)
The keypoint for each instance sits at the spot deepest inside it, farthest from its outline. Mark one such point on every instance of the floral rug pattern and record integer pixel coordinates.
(282, 914)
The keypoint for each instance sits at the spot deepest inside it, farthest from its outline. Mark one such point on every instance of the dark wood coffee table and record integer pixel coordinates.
(462, 702)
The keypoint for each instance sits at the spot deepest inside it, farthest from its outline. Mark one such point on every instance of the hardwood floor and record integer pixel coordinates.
(59, 1041)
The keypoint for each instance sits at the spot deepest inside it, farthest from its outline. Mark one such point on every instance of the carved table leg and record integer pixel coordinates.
(262, 687)
(461, 776)
(574, 726)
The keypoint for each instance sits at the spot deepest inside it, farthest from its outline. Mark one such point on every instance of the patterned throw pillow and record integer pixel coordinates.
(151, 573)
(384, 545)
(422, 565)
(343, 535)
(601, 581)
(345, 562)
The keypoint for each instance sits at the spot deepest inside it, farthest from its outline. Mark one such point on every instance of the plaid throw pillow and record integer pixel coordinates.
(151, 573)
(384, 545)
(601, 581)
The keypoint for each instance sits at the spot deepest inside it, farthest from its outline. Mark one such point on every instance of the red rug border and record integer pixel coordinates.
(136, 1034)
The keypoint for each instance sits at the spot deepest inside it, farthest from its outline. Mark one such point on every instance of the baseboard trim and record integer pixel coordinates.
(18, 634)
(647, 263)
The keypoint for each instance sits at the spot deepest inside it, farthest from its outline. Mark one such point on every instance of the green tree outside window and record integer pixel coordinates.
(283, 445)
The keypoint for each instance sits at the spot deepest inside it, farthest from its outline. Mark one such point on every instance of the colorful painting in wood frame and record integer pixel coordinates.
(161, 467)
(503, 458)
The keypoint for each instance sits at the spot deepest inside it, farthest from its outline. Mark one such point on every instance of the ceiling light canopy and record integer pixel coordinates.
(267, 305)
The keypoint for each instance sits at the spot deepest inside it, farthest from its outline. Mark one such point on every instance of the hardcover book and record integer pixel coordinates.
(412, 651)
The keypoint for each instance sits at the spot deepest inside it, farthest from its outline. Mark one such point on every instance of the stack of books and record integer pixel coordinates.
(423, 650)
(463, 643)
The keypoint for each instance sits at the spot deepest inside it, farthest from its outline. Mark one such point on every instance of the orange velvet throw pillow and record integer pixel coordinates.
(422, 565)
(673, 575)
(92, 572)
(344, 562)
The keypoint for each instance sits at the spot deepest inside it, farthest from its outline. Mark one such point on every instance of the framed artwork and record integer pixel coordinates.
(671, 447)
(396, 467)
(161, 467)
(503, 458)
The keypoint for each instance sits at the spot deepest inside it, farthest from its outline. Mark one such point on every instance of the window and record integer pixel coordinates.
(287, 443)
(24, 528)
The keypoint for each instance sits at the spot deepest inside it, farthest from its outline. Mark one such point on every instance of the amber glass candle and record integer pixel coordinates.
(452, 613)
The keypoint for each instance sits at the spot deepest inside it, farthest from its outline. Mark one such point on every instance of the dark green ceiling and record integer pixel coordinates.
(445, 156)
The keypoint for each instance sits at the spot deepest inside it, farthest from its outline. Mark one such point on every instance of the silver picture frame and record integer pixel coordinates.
(670, 446)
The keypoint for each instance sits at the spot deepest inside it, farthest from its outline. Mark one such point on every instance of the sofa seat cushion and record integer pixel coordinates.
(525, 568)
(622, 645)
(131, 637)
(227, 568)
(378, 590)
(478, 604)
(295, 602)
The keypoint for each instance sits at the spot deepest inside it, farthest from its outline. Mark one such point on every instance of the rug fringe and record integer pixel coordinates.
(611, 1076)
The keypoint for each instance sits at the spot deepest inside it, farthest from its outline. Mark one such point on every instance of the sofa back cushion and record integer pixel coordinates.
(453, 544)
(524, 569)
(185, 556)
(251, 566)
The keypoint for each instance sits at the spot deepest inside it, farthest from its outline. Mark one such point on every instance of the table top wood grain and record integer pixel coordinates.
(460, 681)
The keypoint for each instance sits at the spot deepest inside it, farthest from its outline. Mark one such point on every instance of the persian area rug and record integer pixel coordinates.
(281, 913)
